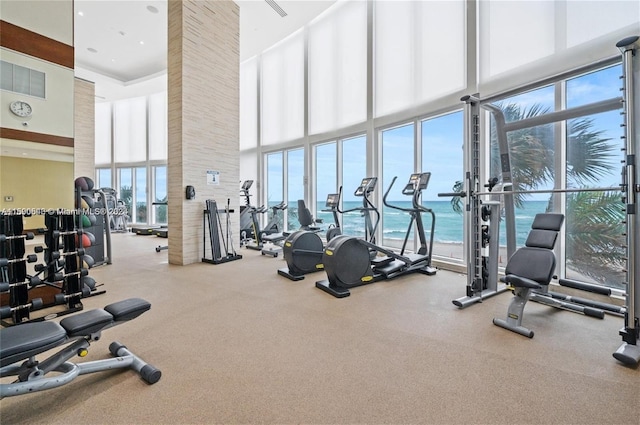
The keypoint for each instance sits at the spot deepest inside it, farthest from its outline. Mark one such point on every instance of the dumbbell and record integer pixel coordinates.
(5, 287)
(39, 249)
(35, 304)
(40, 267)
(79, 252)
(57, 233)
(62, 298)
(60, 276)
(28, 236)
(31, 258)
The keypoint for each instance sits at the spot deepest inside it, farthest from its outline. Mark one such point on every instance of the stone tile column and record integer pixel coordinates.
(203, 117)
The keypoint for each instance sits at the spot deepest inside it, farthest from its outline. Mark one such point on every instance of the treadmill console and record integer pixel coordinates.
(417, 182)
(367, 186)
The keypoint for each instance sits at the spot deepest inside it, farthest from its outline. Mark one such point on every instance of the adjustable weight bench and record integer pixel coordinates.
(22, 343)
(530, 270)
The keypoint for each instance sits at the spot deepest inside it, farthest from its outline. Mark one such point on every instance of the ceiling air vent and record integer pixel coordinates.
(276, 7)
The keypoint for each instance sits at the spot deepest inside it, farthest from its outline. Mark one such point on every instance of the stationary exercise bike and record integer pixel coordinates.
(348, 261)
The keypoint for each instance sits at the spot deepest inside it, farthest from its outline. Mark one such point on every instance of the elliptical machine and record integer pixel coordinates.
(348, 260)
(246, 216)
(303, 250)
(251, 235)
(272, 242)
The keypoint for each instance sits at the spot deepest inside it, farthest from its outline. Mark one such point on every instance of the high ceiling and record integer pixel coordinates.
(118, 43)
(127, 40)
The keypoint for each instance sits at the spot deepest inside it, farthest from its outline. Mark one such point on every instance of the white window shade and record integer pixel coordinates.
(130, 130)
(419, 52)
(524, 41)
(249, 104)
(158, 127)
(282, 91)
(103, 133)
(337, 67)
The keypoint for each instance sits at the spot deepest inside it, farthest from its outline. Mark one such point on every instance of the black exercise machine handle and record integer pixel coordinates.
(452, 194)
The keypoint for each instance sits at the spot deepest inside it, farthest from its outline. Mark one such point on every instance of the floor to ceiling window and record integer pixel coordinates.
(275, 183)
(594, 230)
(326, 177)
(159, 211)
(103, 178)
(141, 195)
(125, 189)
(354, 169)
(398, 158)
(345, 75)
(135, 131)
(442, 155)
(295, 186)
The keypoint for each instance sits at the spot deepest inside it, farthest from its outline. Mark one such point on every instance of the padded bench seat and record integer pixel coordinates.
(86, 323)
(127, 309)
(23, 341)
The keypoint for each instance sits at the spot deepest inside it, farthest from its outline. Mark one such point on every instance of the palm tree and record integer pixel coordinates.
(594, 235)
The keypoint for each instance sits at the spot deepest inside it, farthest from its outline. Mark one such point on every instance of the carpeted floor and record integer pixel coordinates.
(238, 344)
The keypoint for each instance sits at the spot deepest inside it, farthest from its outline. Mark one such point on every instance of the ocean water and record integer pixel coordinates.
(448, 225)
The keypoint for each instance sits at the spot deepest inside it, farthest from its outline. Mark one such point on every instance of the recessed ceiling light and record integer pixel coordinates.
(92, 50)
(81, 13)
(152, 9)
(113, 60)
(141, 42)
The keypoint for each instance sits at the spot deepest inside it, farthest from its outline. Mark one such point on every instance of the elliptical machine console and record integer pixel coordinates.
(332, 205)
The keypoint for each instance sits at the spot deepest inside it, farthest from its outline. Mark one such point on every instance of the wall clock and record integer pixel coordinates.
(21, 108)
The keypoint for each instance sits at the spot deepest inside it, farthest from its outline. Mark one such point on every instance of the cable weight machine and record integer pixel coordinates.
(629, 352)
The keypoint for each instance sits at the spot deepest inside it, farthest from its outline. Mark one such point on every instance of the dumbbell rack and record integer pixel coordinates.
(62, 234)
(63, 269)
(13, 270)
